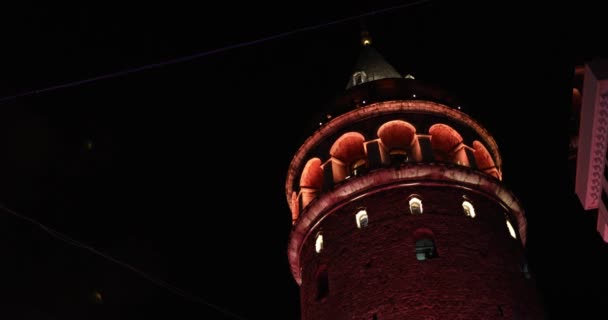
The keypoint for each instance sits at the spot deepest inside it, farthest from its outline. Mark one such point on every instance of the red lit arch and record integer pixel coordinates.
(348, 148)
(484, 160)
(312, 175)
(447, 144)
(400, 136)
(397, 134)
(424, 233)
(311, 181)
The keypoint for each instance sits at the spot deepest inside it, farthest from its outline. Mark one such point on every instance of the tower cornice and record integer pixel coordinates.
(410, 174)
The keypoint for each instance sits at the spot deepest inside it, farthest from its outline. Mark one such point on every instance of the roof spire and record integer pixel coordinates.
(366, 39)
(371, 65)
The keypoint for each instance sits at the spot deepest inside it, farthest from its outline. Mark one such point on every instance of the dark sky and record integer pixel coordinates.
(179, 171)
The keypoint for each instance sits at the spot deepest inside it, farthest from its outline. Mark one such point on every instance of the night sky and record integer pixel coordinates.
(179, 170)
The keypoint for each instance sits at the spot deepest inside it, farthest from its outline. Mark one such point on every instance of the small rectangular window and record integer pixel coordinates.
(322, 283)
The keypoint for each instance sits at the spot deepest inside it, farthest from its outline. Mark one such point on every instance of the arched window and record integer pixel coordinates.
(319, 242)
(359, 77)
(425, 244)
(415, 205)
(361, 218)
(468, 208)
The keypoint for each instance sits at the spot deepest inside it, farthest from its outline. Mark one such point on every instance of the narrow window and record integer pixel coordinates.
(511, 230)
(359, 77)
(319, 242)
(425, 249)
(525, 270)
(415, 205)
(361, 218)
(425, 244)
(359, 167)
(322, 283)
(469, 210)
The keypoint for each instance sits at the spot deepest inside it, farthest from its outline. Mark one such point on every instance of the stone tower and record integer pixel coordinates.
(399, 211)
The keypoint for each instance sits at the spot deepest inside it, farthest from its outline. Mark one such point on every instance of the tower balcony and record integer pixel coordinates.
(387, 135)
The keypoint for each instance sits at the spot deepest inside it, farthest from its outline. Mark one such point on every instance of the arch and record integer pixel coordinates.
(415, 203)
(361, 218)
(359, 77)
(349, 150)
(484, 160)
(469, 209)
(311, 181)
(447, 144)
(312, 174)
(399, 138)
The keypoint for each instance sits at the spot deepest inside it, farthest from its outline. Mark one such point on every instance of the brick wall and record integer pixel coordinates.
(373, 272)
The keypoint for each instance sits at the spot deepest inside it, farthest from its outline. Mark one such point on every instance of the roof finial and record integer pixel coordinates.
(366, 39)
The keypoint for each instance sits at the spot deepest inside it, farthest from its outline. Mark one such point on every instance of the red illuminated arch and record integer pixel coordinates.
(397, 134)
(423, 233)
(311, 181)
(400, 136)
(484, 160)
(312, 175)
(348, 148)
(447, 144)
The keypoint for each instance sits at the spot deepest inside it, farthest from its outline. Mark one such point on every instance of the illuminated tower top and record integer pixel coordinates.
(399, 193)
(371, 65)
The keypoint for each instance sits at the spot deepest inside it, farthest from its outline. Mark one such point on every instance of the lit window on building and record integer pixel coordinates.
(425, 248)
(425, 244)
(415, 205)
(511, 230)
(468, 208)
(361, 218)
(319, 243)
(359, 77)
(359, 167)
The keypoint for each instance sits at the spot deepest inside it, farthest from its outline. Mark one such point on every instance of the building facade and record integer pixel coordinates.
(399, 211)
(590, 110)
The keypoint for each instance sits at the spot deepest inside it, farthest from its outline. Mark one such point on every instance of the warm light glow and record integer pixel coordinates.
(409, 76)
(469, 210)
(366, 42)
(97, 297)
(511, 230)
(319, 243)
(415, 206)
(361, 218)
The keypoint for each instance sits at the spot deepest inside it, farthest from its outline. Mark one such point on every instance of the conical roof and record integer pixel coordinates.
(369, 67)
